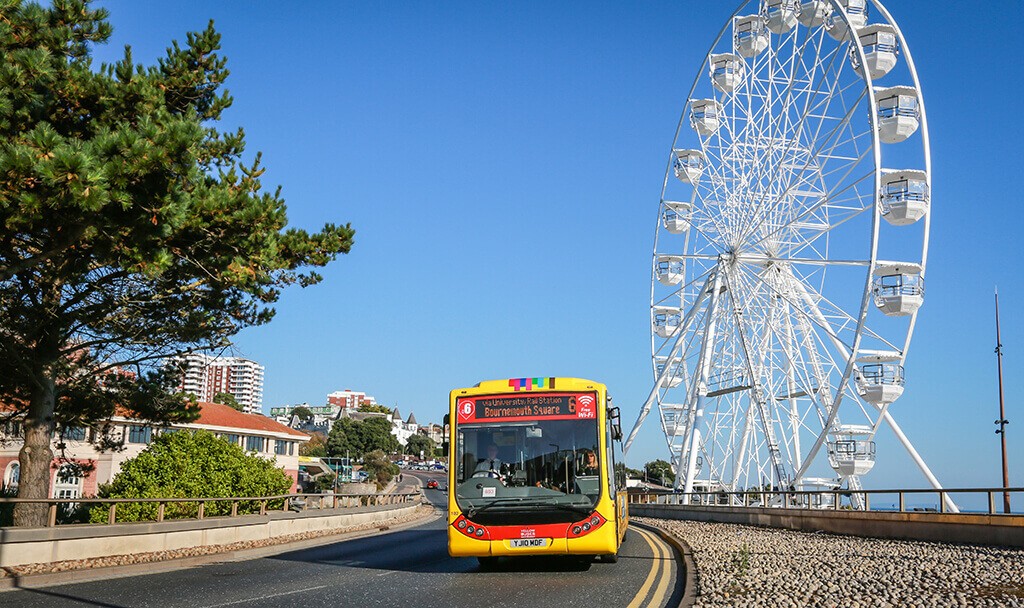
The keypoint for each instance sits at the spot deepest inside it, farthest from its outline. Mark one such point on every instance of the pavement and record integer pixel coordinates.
(400, 567)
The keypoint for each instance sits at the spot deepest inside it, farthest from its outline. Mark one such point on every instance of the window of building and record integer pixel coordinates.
(230, 438)
(68, 483)
(255, 444)
(140, 434)
(280, 447)
(291, 448)
(12, 475)
(74, 433)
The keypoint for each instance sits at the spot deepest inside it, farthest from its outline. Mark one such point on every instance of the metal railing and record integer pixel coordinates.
(248, 505)
(862, 500)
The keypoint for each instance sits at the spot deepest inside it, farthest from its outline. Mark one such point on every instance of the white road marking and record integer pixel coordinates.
(263, 597)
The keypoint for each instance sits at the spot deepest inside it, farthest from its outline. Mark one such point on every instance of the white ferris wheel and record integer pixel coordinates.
(790, 250)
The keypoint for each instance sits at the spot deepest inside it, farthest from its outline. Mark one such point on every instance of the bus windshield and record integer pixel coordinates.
(528, 465)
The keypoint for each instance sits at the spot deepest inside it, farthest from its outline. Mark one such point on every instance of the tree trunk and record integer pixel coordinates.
(36, 455)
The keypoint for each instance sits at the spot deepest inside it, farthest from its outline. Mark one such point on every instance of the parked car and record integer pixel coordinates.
(432, 484)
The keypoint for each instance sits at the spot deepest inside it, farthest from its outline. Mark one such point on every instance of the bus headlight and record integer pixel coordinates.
(479, 531)
(462, 524)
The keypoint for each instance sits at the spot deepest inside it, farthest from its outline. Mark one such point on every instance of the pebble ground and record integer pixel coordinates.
(749, 566)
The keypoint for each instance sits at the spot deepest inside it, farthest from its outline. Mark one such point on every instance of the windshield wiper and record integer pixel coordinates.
(473, 510)
(580, 509)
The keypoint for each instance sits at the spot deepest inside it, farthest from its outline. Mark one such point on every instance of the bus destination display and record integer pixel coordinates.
(548, 406)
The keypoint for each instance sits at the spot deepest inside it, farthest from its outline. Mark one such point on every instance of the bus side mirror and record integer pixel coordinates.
(613, 420)
(444, 434)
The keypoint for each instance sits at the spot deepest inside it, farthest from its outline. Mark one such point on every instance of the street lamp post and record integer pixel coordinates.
(1002, 422)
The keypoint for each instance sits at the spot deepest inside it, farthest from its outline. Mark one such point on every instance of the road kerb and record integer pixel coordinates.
(49, 579)
(689, 564)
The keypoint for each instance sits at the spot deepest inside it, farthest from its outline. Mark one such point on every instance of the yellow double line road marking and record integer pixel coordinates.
(662, 563)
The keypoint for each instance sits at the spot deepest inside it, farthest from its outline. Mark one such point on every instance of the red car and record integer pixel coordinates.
(432, 484)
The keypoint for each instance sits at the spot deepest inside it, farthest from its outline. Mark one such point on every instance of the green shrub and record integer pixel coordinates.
(191, 465)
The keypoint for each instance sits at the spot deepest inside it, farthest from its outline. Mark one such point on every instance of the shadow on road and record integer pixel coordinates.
(416, 550)
(425, 550)
(67, 599)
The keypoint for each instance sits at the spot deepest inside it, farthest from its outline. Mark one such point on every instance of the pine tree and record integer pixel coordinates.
(131, 229)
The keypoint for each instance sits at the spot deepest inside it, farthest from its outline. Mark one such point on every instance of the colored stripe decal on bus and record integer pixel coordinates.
(529, 384)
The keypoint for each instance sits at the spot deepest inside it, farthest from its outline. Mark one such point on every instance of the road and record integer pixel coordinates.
(409, 567)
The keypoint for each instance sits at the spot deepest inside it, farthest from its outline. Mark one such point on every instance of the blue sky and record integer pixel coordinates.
(502, 164)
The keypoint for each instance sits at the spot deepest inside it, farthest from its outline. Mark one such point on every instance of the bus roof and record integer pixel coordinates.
(531, 384)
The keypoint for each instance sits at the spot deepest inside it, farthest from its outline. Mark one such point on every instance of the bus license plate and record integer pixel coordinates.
(521, 543)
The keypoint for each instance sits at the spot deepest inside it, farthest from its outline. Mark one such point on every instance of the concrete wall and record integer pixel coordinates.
(1002, 530)
(44, 545)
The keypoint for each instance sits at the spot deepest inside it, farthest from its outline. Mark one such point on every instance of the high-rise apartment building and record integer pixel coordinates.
(205, 376)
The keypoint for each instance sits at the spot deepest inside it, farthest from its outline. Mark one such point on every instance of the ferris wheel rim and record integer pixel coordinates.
(868, 265)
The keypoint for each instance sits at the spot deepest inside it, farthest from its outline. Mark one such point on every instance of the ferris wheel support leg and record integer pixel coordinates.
(707, 351)
(950, 505)
(744, 440)
(680, 332)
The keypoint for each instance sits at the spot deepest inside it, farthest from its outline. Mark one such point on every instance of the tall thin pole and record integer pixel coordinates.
(1002, 422)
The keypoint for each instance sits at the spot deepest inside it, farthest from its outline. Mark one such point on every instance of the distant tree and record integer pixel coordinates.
(304, 413)
(375, 434)
(379, 467)
(657, 470)
(344, 439)
(420, 443)
(229, 400)
(325, 482)
(374, 408)
(622, 469)
(316, 446)
(131, 228)
(190, 464)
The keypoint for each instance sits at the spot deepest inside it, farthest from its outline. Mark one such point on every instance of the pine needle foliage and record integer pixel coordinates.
(132, 228)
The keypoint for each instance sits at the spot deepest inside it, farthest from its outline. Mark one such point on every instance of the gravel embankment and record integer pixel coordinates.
(748, 566)
(158, 556)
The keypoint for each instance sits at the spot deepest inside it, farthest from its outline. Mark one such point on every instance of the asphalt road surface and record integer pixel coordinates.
(409, 567)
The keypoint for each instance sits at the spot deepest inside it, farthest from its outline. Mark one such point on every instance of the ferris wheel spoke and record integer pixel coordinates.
(758, 119)
(850, 214)
(846, 317)
(794, 217)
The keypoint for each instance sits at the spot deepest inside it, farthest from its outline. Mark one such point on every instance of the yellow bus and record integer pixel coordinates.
(532, 470)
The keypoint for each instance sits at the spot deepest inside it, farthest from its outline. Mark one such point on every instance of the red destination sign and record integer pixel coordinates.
(546, 406)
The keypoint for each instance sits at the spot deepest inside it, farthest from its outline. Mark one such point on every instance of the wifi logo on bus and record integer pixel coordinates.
(585, 406)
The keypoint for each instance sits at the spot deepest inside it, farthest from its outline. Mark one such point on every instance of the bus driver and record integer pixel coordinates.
(491, 463)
